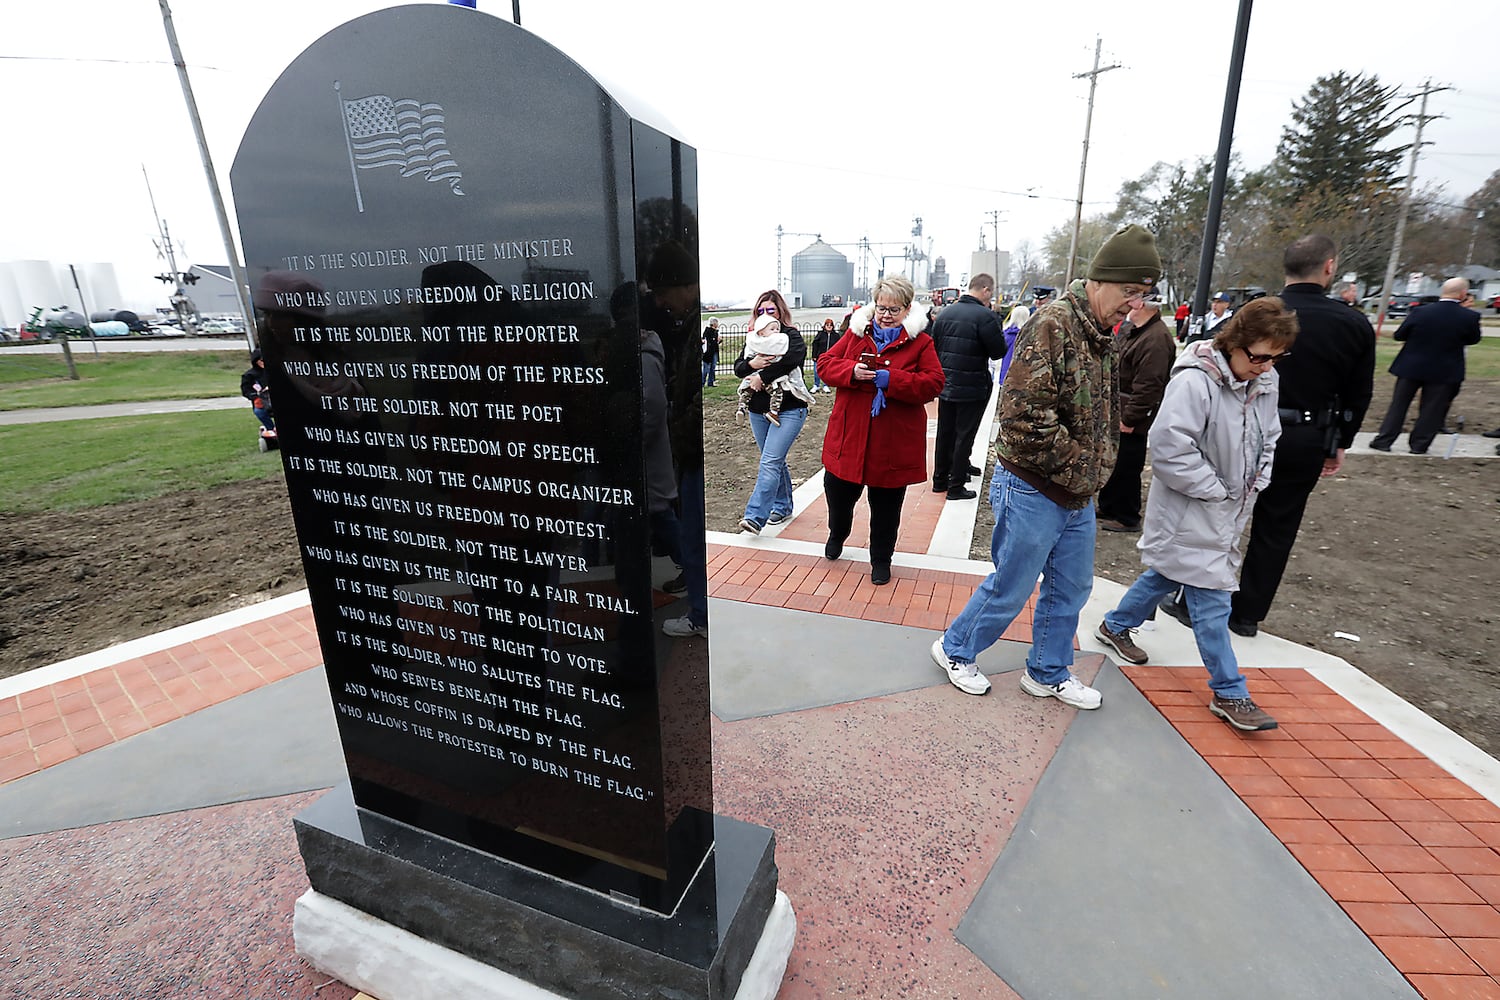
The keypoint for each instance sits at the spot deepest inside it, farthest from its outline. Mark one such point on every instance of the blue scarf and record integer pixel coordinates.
(883, 336)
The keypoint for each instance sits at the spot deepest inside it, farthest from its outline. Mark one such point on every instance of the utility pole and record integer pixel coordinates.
(1473, 235)
(1088, 124)
(241, 287)
(994, 215)
(84, 308)
(1411, 180)
(179, 299)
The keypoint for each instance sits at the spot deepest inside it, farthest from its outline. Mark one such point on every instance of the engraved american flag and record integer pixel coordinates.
(401, 133)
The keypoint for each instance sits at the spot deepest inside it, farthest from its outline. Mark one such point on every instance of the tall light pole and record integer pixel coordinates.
(1221, 169)
(1088, 124)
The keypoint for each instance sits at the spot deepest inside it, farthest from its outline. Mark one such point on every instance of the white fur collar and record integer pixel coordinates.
(915, 322)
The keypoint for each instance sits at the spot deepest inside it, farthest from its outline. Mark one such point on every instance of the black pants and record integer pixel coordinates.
(957, 425)
(1278, 514)
(1433, 410)
(1120, 499)
(885, 514)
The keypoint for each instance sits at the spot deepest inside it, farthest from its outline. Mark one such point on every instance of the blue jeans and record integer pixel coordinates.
(1210, 612)
(708, 372)
(773, 482)
(817, 379)
(1033, 537)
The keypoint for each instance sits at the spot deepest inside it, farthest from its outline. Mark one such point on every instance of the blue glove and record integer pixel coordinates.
(879, 403)
(882, 378)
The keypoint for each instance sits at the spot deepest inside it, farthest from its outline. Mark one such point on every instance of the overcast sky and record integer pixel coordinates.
(821, 117)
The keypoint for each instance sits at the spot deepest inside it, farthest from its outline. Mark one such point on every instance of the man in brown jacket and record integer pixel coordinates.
(1146, 355)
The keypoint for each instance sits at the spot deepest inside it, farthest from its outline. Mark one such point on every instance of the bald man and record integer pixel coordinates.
(1432, 360)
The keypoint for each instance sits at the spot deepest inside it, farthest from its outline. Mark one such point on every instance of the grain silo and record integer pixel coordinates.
(820, 273)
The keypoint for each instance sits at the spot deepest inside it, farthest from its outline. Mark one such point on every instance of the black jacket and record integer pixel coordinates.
(1332, 359)
(968, 336)
(254, 382)
(1436, 335)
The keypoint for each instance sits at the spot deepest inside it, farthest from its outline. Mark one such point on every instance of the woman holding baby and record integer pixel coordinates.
(884, 372)
(771, 500)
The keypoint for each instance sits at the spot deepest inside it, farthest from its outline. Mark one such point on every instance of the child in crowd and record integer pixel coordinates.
(769, 341)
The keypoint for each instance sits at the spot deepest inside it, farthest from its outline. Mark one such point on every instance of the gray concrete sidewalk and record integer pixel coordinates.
(53, 414)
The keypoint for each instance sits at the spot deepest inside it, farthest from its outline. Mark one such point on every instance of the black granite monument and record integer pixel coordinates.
(475, 277)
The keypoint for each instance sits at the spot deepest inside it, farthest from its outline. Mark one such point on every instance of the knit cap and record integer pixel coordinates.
(1127, 257)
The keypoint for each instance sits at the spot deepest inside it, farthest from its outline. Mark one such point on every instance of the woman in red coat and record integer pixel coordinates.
(884, 371)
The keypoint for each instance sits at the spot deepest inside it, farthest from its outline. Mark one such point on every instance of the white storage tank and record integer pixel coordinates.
(820, 270)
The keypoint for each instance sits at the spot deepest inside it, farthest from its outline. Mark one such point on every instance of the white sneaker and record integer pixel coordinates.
(964, 676)
(682, 627)
(1070, 692)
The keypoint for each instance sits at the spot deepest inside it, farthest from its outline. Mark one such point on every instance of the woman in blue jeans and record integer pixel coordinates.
(1212, 444)
(771, 500)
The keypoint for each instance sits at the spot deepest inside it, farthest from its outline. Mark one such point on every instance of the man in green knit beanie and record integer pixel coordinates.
(1059, 430)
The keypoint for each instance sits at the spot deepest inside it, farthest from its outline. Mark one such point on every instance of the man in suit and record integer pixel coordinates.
(1432, 360)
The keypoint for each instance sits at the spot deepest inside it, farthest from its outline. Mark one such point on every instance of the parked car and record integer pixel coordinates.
(1399, 305)
(1495, 303)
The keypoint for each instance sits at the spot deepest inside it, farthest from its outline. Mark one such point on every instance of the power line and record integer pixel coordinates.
(91, 59)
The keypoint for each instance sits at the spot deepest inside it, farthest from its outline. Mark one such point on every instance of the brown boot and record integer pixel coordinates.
(1242, 713)
(1121, 643)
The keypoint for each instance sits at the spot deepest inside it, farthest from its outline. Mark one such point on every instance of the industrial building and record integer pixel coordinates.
(822, 274)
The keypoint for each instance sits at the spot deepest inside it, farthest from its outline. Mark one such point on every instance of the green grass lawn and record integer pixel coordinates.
(1483, 358)
(74, 464)
(30, 380)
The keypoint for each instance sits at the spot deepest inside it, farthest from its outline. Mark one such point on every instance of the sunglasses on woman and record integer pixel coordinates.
(765, 309)
(1265, 359)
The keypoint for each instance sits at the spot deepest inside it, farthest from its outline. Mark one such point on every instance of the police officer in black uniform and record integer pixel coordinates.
(1325, 387)
(1326, 384)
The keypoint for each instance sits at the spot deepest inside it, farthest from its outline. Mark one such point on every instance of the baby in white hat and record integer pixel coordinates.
(767, 340)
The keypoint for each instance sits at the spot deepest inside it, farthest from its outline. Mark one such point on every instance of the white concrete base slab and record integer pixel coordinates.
(393, 964)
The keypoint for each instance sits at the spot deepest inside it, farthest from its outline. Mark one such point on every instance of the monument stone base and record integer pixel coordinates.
(387, 962)
(396, 911)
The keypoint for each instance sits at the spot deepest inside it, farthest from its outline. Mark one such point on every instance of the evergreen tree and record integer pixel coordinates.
(1337, 171)
(1337, 141)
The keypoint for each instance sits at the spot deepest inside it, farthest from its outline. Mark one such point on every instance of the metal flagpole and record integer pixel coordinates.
(359, 199)
(241, 287)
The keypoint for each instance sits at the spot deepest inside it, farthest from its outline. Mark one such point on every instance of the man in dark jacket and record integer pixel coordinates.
(1146, 355)
(1325, 383)
(1432, 361)
(968, 337)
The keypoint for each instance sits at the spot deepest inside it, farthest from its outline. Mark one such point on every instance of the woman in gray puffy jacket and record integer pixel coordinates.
(1211, 448)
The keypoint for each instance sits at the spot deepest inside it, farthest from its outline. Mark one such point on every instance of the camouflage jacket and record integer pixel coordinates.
(1059, 407)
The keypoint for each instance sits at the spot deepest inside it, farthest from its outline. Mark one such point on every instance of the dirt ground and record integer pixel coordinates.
(1398, 551)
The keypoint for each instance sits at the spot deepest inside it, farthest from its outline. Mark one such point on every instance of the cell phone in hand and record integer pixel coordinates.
(869, 360)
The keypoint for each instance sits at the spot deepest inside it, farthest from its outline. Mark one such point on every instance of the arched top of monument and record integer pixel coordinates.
(441, 42)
